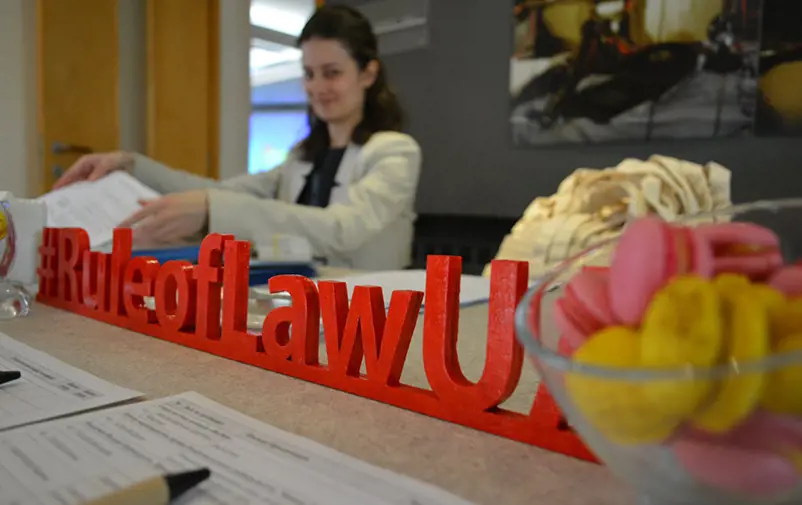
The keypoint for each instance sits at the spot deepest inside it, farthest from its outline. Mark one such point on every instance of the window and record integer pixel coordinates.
(273, 134)
(279, 103)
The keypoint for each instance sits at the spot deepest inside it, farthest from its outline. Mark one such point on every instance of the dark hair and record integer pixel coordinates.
(382, 110)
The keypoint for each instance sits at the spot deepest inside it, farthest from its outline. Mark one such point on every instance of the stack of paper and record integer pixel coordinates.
(97, 206)
(49, 387)
(76, 459)
(79, 458)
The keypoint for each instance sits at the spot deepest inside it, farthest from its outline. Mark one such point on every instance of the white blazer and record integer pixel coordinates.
(367, 225)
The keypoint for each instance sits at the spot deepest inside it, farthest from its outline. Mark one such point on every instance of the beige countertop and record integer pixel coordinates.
(480, 467)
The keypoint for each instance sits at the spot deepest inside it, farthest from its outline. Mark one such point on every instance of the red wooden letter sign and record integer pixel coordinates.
(111, 288)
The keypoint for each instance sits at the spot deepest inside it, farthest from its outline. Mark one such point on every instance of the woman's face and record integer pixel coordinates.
(333, 80)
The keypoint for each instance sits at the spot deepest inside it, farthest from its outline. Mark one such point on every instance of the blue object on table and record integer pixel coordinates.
(260, 272)
(187, 253)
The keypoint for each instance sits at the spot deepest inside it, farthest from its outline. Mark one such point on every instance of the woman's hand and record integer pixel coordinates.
(170, 218)
(92, 167)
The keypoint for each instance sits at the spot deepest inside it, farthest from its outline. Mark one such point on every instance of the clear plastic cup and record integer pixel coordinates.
(15, 300)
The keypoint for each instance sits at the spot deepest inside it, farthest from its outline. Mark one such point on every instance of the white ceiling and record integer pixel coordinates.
(285, 16)
(272, 60)
(302, 6)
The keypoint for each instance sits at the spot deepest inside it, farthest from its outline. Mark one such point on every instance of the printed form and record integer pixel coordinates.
(71, 460)
(48, 387)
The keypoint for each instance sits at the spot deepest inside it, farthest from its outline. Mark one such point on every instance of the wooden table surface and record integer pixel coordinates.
(480, 467)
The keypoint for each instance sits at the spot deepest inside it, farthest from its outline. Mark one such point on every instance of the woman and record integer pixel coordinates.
(348, 187)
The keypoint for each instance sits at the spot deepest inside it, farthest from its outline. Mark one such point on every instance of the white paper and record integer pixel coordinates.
(473, 288)
(48, 387)
(79, 458)
(283, 248)
(97, 206)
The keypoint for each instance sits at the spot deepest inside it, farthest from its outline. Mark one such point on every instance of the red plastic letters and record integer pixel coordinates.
(111, 288)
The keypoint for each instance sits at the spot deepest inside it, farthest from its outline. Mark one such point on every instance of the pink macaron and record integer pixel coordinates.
(575, 324)
(584, 307)
(649, 253)
(743, 248)
(750, 460)
(590, 288)
(787, 280)
(565, 347)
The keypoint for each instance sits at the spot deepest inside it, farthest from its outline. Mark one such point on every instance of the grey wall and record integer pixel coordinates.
(456, 93)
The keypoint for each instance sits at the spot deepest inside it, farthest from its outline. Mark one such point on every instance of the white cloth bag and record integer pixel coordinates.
(594, 204)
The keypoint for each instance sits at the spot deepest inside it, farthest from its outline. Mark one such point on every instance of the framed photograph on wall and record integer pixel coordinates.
(779, 105)
(596, 71)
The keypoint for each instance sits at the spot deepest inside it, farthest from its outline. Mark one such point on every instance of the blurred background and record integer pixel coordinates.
(217, 91)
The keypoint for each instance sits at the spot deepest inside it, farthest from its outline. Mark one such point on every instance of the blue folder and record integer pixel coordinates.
(260, 272)
(187, 253)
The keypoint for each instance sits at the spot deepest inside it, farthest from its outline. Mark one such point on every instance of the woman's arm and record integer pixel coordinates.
(379, 198)
(167, 180)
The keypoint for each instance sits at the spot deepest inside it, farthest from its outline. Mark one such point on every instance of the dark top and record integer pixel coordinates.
(320, 181)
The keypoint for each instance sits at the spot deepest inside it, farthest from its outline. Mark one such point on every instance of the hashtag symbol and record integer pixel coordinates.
(47, 263)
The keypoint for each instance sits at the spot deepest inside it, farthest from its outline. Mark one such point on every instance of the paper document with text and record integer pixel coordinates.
(75, 459)
(97, 206)
(48, 387)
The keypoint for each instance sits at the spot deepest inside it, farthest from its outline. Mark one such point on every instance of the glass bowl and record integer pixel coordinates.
(626, 416)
